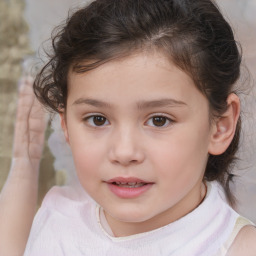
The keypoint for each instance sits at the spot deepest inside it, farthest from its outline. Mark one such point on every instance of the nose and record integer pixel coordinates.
(126, 147)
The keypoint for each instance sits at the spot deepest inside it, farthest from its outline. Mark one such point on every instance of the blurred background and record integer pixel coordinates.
(25, 27)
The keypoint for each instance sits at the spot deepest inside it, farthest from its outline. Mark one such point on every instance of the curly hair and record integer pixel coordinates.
(192, 34)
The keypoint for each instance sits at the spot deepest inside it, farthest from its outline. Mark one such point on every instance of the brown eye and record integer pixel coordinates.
(158, 121)
(99, 120)
(96, 121)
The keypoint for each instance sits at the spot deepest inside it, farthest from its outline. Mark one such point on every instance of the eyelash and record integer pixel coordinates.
(167, 121)
(90, 120)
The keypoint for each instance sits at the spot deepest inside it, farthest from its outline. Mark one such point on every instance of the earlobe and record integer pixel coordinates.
(64, 126)
(224, 127)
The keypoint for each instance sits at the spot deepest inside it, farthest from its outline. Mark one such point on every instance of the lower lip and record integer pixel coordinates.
(124, 192)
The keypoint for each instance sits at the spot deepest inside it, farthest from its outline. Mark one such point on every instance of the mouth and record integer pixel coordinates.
(129, 184)
(128, 187)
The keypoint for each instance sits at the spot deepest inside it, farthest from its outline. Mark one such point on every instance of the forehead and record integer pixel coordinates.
(137, 76)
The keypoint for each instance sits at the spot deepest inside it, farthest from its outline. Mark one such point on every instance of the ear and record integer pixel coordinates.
(64, 126)
(224, 127)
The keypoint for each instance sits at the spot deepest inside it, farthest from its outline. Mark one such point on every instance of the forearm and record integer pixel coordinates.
(18, 201)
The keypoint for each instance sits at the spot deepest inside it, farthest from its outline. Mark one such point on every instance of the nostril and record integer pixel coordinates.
(124, 153)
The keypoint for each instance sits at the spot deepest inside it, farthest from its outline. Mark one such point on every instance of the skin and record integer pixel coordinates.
(127, 143)
(245, 243)
(18, 197)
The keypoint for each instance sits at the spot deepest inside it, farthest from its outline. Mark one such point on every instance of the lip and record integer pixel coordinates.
(128, 192)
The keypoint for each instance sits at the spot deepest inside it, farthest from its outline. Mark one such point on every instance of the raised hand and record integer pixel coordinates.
(30, 126)
(18, 198)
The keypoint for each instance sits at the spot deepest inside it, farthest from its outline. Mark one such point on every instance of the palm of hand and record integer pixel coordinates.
(30, 126)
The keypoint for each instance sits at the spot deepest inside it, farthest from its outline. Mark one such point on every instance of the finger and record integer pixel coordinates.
(25, 101)
(38, 119)
(25, 122)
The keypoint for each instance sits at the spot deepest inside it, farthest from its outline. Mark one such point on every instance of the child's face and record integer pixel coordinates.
(139, 119)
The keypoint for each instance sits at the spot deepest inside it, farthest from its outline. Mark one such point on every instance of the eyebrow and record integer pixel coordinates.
(166, 102)
(92, 102)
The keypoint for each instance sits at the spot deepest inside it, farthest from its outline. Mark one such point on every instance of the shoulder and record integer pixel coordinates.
(67, 200)
(244, 243)
(58, 219)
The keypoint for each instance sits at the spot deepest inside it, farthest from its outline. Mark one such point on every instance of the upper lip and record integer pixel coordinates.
(127, 180)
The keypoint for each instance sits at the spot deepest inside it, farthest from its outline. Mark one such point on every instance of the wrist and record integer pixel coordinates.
(25, 168)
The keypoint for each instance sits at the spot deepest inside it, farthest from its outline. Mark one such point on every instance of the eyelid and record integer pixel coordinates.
(91, 115)
(168, 116)
(169, 119)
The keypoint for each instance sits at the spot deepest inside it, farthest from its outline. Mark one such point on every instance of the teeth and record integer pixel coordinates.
(129, 184)
(132, 183)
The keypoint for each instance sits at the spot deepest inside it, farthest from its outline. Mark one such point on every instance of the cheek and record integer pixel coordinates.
(88, 150)
(179, 168)
(85, 148)
(87, 166)
(181, 157)
(87, 157)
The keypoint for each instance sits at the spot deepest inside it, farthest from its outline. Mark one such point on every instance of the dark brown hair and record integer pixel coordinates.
(191, 33)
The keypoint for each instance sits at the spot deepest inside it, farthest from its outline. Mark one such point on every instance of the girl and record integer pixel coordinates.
(145, 94)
